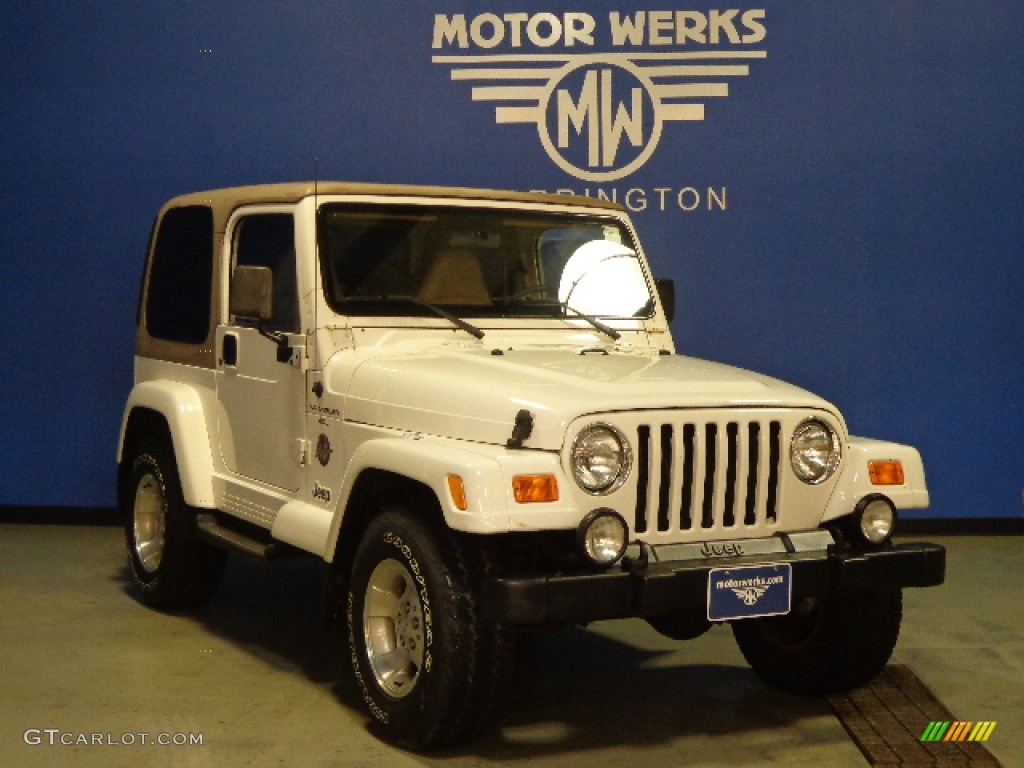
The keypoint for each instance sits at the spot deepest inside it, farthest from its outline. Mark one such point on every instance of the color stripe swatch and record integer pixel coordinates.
(958, 730)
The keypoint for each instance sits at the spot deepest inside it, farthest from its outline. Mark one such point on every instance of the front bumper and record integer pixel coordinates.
(654, 589)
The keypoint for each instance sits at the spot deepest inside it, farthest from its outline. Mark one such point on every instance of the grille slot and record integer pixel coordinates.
(709, 475)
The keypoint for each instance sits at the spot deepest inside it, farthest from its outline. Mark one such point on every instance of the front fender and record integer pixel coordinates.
(430, 462)
(486, 472)
(855, 482)
(181, 407)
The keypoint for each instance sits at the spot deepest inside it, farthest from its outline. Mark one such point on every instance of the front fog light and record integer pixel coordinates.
(602, 537)
(876, 519)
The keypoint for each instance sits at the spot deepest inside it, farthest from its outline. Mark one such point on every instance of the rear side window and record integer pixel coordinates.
(180, 276)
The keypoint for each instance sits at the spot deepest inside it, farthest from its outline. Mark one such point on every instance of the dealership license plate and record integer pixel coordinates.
(746, 593)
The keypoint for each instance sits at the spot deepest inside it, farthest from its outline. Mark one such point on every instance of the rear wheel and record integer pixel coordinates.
(427, 665)
(824, 646)
(172, 567)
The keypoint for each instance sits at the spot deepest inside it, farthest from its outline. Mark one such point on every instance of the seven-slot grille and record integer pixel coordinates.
(704, 476)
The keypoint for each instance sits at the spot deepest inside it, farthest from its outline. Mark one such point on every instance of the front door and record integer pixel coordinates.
(262, 397)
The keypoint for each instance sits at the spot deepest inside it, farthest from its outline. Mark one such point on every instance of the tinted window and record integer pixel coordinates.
(180, 276)
(268, 240)
(390, 260)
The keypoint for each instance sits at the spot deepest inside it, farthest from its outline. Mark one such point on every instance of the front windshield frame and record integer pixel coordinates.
(409, 237)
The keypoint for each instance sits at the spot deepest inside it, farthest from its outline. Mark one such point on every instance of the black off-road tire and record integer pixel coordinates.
(427, 666)
(841, 644)
(173, 569)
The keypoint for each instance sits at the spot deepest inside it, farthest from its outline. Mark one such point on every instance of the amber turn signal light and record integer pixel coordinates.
(885, 472)
(529, 489)
(457, 489)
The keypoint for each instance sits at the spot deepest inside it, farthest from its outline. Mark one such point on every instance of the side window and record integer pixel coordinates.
(180, 276)
(268, 240)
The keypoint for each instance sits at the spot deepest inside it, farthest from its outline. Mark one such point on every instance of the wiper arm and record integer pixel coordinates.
(564, 305)
(606, 329)
(458, 322)
(468, 327)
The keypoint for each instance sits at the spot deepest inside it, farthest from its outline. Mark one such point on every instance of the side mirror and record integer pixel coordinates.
(667, 294)
(252, 293)
(252, 298)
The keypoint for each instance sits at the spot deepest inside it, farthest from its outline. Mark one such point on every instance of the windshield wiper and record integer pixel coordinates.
(458, 322)
(606, 329)
(564, 306)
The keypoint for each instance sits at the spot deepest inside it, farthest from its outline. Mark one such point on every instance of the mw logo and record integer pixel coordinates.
(604, 120)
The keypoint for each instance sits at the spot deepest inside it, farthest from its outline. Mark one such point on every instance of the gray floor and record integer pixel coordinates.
(258, 678)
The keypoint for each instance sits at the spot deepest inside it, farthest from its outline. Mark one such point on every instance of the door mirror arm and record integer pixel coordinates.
(252, 298)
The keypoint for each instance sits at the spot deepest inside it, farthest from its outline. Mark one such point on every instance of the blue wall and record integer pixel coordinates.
(869, 245)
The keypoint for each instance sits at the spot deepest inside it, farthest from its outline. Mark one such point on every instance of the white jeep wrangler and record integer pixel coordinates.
(469, 405)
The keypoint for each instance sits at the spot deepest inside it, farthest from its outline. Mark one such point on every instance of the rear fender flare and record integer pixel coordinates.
(182, 409)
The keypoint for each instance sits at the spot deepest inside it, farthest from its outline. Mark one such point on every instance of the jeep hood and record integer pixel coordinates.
(475, 395)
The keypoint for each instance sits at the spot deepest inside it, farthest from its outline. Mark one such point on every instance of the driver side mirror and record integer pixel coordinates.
(252, 293)
(252, 298)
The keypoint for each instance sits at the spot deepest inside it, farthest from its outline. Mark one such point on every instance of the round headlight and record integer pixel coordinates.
(603, 536)
(814, 451)
(876, 519)
(600, 458)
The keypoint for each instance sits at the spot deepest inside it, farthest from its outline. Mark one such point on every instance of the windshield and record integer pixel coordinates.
(478, 262)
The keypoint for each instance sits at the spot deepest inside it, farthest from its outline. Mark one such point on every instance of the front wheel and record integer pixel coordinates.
(427, 666)
(825, 646)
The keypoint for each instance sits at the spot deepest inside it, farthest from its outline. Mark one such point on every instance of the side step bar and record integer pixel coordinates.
(210, 529)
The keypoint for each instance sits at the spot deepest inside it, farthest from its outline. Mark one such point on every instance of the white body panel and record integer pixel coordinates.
(467, 392)
(260, 418)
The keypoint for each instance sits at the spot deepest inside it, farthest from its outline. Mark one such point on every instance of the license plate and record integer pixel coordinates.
(750, 592)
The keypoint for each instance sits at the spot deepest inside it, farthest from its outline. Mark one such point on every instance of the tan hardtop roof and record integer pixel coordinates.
(224, 201)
